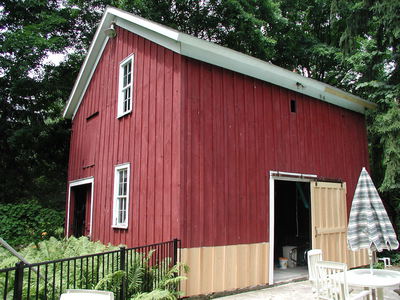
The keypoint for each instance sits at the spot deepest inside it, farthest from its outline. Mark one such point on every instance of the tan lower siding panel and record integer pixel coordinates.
(230, 265)
(358, 258)
(219, 259)
(224, 268)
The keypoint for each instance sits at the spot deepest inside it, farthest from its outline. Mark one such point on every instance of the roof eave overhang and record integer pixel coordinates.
(208, 52)
(88, 67)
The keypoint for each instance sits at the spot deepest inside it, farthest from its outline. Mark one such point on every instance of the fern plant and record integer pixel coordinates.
(144, 281)
(156, 294)
(86, 272)
(142, 277)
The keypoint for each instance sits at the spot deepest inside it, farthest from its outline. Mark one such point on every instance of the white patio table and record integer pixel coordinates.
(378, 280)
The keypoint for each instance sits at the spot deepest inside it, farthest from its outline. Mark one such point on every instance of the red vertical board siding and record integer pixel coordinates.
(207, 143)
(144, 138)
(237, 129)
(176, 147)
(218, 183)
(201, 141)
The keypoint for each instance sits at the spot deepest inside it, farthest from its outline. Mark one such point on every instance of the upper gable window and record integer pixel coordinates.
(125, 91)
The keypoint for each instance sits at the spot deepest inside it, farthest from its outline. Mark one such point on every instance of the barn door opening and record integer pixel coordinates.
(292, 229)
(81, 220)
(80, 208)
(325, 221)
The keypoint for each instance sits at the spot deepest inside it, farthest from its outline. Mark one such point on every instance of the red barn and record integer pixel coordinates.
(176, 137)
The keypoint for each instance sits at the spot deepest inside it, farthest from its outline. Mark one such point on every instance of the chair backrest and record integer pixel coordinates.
(331, 281)
(313, 256)
(87, 295)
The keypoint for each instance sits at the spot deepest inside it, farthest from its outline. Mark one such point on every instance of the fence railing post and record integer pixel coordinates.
(111, 261)
(175, 259)
(122, 267)
(18, 282)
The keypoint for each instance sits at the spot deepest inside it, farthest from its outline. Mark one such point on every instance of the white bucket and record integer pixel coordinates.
(290, 252)
(283, 262)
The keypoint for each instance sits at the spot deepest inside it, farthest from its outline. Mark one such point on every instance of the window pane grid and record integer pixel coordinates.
(126, 85)
(127, 99)
(121, 197)
(121, 210)
(122, 182)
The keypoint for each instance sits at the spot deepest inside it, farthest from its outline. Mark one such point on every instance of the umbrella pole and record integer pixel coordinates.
(370, 266)
(371, 259)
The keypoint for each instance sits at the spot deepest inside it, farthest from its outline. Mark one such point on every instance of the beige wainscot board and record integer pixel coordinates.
(225, 268)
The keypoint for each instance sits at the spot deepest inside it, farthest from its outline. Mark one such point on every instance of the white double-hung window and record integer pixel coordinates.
(121, 196)
(125, 90)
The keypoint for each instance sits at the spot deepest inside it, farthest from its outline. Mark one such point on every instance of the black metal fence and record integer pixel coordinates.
(48, 280)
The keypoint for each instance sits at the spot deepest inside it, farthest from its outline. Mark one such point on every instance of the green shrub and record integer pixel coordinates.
(24, 223)
(378, 265)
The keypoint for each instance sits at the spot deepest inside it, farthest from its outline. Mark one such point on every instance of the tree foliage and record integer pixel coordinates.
(371, 41)
(352, 44)
(33, 142)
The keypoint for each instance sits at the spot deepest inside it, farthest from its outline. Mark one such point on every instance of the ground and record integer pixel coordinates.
(299, 290)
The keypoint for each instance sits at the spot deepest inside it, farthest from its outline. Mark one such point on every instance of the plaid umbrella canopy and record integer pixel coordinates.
(369, 225)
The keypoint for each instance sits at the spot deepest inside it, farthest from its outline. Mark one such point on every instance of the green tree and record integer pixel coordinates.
(248, 26)
(34, 137)
(371, 41)
(352, 44)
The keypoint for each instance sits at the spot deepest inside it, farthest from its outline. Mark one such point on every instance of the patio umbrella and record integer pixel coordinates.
(369, 225)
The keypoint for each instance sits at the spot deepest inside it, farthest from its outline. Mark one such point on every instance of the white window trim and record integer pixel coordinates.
(120, 110)
(115, 206)
(87, 180)
(276, 175)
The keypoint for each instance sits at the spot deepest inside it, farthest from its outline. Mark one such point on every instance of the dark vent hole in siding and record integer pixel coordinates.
(293, 106)
(92, 116)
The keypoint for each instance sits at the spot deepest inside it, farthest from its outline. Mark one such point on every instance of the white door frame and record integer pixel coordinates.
(287, 176)
(87, 180)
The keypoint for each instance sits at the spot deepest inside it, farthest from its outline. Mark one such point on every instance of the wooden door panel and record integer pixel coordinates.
(329, 224)
(329, 220)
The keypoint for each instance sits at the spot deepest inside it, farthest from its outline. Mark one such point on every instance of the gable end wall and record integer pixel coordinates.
(148, 138)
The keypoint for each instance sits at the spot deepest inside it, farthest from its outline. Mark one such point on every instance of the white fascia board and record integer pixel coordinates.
(245, 64)
(89, 65)
(151, 35)
(90, 70)
(144, 23)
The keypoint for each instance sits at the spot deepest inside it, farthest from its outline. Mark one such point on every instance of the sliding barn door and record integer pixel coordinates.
(329, 224)
(329, 220)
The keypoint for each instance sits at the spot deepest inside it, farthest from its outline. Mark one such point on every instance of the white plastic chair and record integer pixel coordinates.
(386, 261)
(331, 282)
(313, 256)
(87, 295)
